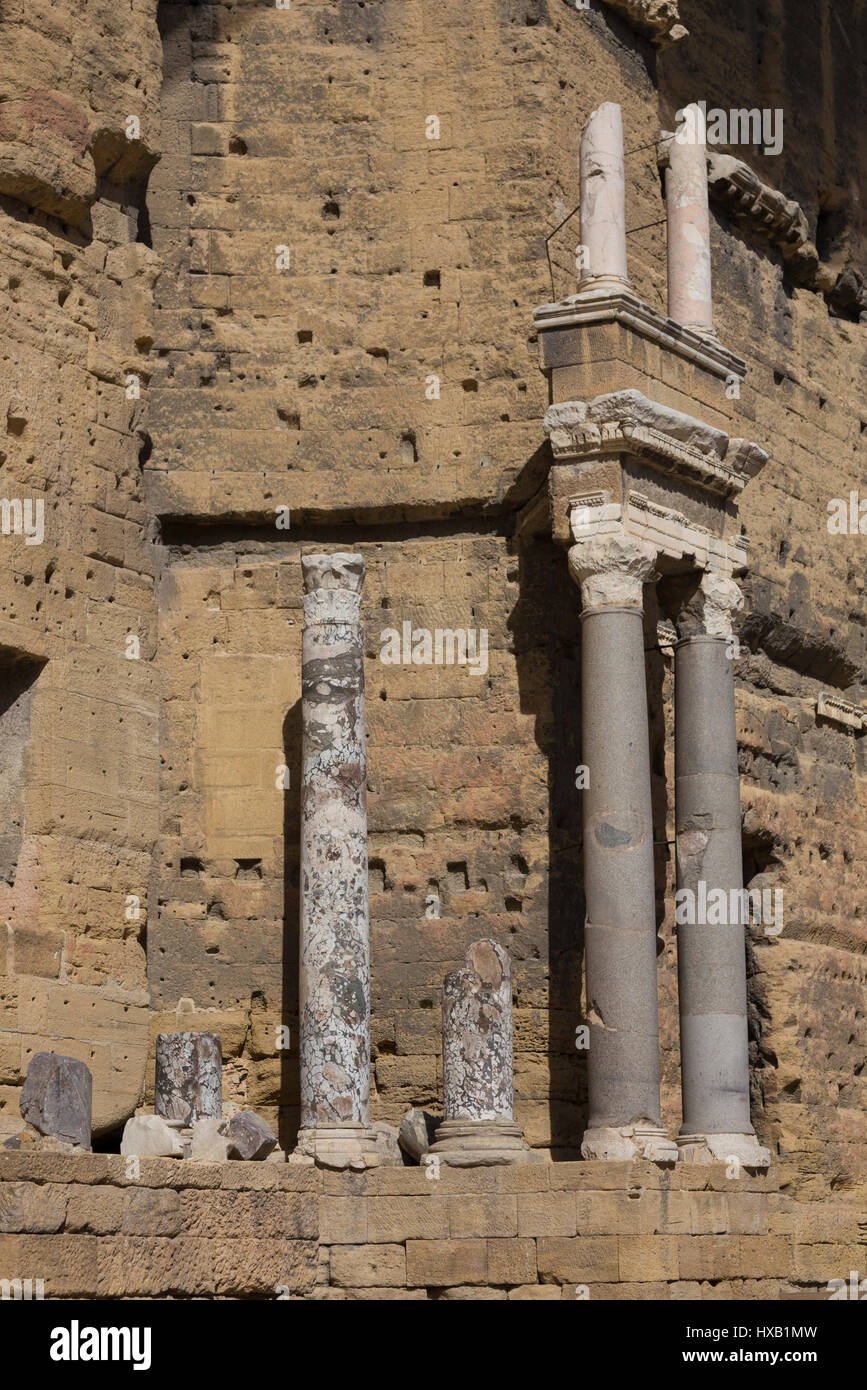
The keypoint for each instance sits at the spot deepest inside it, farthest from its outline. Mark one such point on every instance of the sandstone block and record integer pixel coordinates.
(547, 1214)
(368, 1266)
(511, 1261)
(579, 1260)
(445, 1263)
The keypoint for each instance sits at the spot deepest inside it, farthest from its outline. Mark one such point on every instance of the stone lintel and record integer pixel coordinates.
(669, 532)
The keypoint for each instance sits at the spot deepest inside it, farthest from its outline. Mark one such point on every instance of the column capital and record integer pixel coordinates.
(332, 587)
(612, 569)
(710, 611)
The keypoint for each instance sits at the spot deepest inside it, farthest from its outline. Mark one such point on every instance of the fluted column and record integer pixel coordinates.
(620, 931)
(335, 949)
(711, 950)
(603, 200)
(689, 287)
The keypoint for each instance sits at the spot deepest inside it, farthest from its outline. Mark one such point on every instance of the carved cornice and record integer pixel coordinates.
(766, 212)
(677, 444)
(840, 711)
(621, 306)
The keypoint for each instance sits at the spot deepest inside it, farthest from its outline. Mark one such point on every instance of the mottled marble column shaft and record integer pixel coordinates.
(188, 1084)
(689, 287)
(620, 930)
(478, 1077)
(711, 956)
(603, 199)
(335, 949)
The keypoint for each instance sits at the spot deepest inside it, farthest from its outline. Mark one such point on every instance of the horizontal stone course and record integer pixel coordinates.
(184, 1229)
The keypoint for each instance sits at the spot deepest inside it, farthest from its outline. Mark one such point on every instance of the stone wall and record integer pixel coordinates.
(310, 388)
(572, 1230)
(79, 705)
(306, 388)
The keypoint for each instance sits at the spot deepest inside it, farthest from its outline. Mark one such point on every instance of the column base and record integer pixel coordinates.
(629, 1142)
(744, 1149)
(603, 284)
(479, 1143)
(337, 1146)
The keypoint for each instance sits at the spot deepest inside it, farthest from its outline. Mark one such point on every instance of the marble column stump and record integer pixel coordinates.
(711, 957)
(620, 931)
(335, 949)
(479, 1127)
(188, 1083)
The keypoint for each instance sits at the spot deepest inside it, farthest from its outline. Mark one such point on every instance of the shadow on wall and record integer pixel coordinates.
(546, 627)
(290, 1058)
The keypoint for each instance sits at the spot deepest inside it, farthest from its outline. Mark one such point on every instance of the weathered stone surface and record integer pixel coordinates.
(417, 1131)
(150, 1137)
(56, 1097)
(249, 1136)
(210, 1140)
(189, 1082)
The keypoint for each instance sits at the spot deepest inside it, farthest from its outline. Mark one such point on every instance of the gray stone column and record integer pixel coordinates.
(689, 285)
(711, 955)
(335, 949)
(478, 1079)
(620, 931)
(188, 1081)
(603, 200)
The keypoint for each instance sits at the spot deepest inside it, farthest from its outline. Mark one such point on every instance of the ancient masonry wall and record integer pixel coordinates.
(565, 1231)
(79, 701)
(306, 388)
(163, 440)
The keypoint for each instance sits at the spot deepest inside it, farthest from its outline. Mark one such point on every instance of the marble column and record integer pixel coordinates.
(620, 930)
(335, 948)
(603, 200)
(188, 1084)
(711, 956)
(478, 1078)
(689, 287)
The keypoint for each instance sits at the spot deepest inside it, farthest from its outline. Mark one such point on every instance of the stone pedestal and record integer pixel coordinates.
(711, 955)
(335, 949)
(603, 200)
(689, 284)
(478, 1079)
(620, 932)
(188, 1085)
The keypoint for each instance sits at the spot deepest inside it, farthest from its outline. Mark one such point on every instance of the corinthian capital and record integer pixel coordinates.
(611, 569)
(332, 587)
(710, 609)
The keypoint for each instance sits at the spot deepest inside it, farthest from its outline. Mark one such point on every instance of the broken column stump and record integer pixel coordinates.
(478, 1078)
(189, 1077)
(56, 1098)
